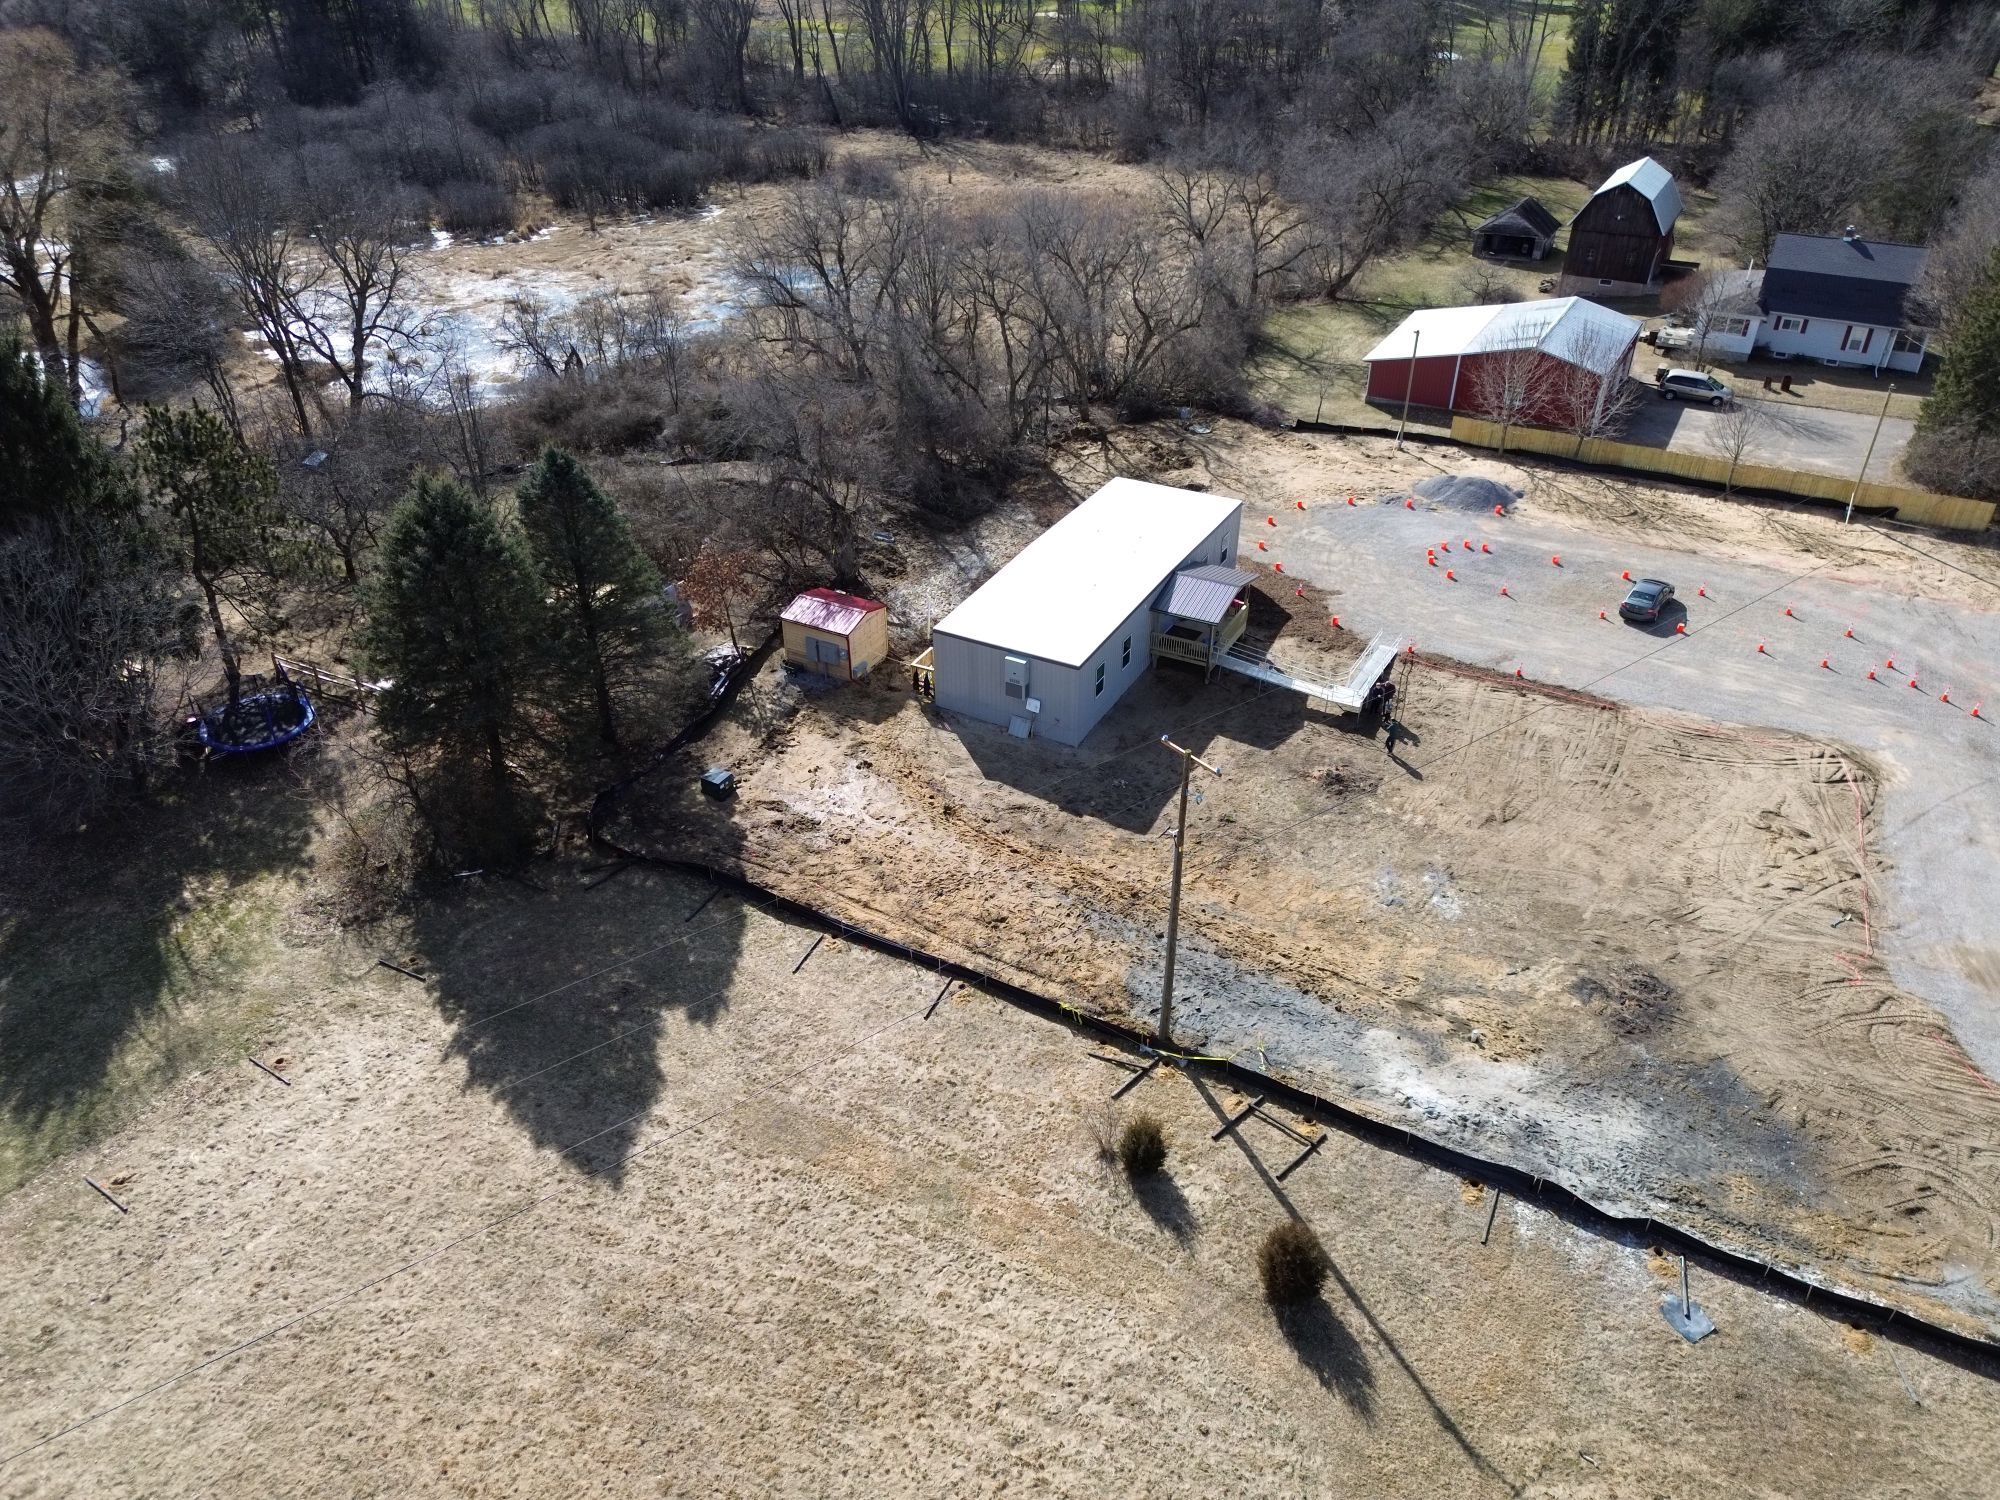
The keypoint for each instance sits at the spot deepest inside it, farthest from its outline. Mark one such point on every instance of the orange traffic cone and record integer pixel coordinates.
(1850, 632)
(1826, 663)
(1788, 613)
(1484, 548)
(1602, 615)
(1945, 696)
(1334, 621)
(1913, 682)
(1626, 576)
(1680, 627)
(1702, 591)
(1517, 671)
(1262, 548)
(1503, 591)
(1409, 505)
(1451, 575)
(1302, 505)
(1760, 649)
(1975, 710)
(1871, 674)
(1350, 497)
(1270, 520)
(1890, 664)
(1277, 567)
(1555, 561)
(1499, 510)
(1299, 592)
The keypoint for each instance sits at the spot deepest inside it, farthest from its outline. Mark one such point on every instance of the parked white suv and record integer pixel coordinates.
(1691, 385)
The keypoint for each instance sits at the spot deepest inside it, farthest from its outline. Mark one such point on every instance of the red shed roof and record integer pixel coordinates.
(830, 610)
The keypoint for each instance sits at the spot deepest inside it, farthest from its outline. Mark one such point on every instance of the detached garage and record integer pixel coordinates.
(1451, 358)
(1048, 644)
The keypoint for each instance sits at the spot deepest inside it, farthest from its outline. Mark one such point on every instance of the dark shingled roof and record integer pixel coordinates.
(1526, 217)
(1202, 594)
(1828, 276)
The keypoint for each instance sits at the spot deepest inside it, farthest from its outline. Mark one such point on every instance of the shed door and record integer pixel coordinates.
(825, 652)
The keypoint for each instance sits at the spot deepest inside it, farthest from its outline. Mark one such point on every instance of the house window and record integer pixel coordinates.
(1908, 342)
(1125, 656)
(1789, 325)
(1098, 691)
(1857, 340)
(1735, 327)
(1225, 554)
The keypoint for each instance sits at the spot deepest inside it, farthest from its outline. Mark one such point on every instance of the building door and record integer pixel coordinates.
(828, 656)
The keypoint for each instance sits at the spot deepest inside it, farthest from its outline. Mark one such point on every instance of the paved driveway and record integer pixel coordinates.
(1787, 434)
(1941, 767)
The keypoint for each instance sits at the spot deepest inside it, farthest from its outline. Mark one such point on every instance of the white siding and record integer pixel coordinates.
(1824, 338)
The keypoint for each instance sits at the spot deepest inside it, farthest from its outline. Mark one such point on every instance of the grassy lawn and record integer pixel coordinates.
(152, 950)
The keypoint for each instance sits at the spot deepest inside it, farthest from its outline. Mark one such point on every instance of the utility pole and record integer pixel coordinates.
(1189, 760)
(1855, 493)
(1416, 337)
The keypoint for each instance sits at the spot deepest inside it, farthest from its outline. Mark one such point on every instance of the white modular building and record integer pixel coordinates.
(1053, 640)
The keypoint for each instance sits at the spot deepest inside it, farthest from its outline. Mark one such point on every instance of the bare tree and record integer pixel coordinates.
(359, 233)
(1733, 432)
(91, 627)
(1591, 393)
(62, 141)
(1510, 381)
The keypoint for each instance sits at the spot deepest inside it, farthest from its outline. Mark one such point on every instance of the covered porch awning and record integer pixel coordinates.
(1202, 595)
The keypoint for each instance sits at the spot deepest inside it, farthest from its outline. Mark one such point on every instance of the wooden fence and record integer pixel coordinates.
(1919, 506)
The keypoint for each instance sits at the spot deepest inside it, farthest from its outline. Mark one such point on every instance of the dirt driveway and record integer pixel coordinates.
(1937, 927)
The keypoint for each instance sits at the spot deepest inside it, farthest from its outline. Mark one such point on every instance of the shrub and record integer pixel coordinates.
(1142, 1146)
(1293, 1264)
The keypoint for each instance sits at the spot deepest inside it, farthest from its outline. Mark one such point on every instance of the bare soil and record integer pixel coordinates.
(1629, 950)
(620, 1201)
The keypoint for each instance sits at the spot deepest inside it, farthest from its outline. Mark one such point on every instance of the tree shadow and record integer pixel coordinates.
(1331, 1353)
(117, 935)
(1167, 1206)
(558, 997)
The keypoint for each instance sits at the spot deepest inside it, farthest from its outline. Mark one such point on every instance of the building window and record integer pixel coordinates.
(1225, 554)
(1789, 325)
(1856, 340)
(1908, 342)
(1098, 691)
(1735, 327)
(1125, 656)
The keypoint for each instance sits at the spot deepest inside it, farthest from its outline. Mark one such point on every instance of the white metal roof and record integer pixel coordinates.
(1068, 589)
(1654, 183)
(1568, 327)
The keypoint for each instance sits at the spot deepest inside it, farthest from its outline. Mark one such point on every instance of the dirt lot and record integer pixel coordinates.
(619, 1203)
(1632, 950)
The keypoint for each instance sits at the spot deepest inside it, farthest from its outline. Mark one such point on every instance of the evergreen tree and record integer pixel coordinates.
(454, 620)
(1966, 395)
(221, 507)
(606, 595)
(50, 465)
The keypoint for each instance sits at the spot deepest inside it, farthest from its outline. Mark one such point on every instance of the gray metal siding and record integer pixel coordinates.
(971, 676)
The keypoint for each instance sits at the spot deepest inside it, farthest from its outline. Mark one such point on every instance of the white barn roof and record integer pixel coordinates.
(1068, 589)
(1654, 183)
(1567, 327)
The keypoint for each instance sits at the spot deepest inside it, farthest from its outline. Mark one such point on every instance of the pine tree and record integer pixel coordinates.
(605, 594)
(50, 465)
(454, 620)
(221, 505)
(1965, 397)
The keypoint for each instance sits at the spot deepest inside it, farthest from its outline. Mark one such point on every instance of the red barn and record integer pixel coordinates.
(1531, 362)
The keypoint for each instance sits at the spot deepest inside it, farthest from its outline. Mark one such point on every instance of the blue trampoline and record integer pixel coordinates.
(261, 720)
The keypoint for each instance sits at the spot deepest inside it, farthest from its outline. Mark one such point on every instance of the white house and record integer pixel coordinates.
(1051, 642)
(1841, 300)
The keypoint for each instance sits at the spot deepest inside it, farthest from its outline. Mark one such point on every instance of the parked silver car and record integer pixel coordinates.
(1691, 385)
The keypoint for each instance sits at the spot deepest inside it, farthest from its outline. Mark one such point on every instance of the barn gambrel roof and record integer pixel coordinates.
(1650, 181)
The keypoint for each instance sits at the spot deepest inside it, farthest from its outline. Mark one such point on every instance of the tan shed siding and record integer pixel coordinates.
(869, 645)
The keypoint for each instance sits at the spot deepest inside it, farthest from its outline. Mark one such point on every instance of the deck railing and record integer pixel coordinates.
(1180, 648)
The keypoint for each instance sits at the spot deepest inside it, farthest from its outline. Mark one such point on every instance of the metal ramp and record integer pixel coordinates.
(1251, 658)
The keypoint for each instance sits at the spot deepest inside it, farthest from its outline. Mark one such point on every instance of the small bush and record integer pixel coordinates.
(1142, 1146)
(1293, 1264)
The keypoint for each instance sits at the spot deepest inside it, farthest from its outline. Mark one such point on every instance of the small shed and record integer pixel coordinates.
(1526, 231)
(835, 634)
